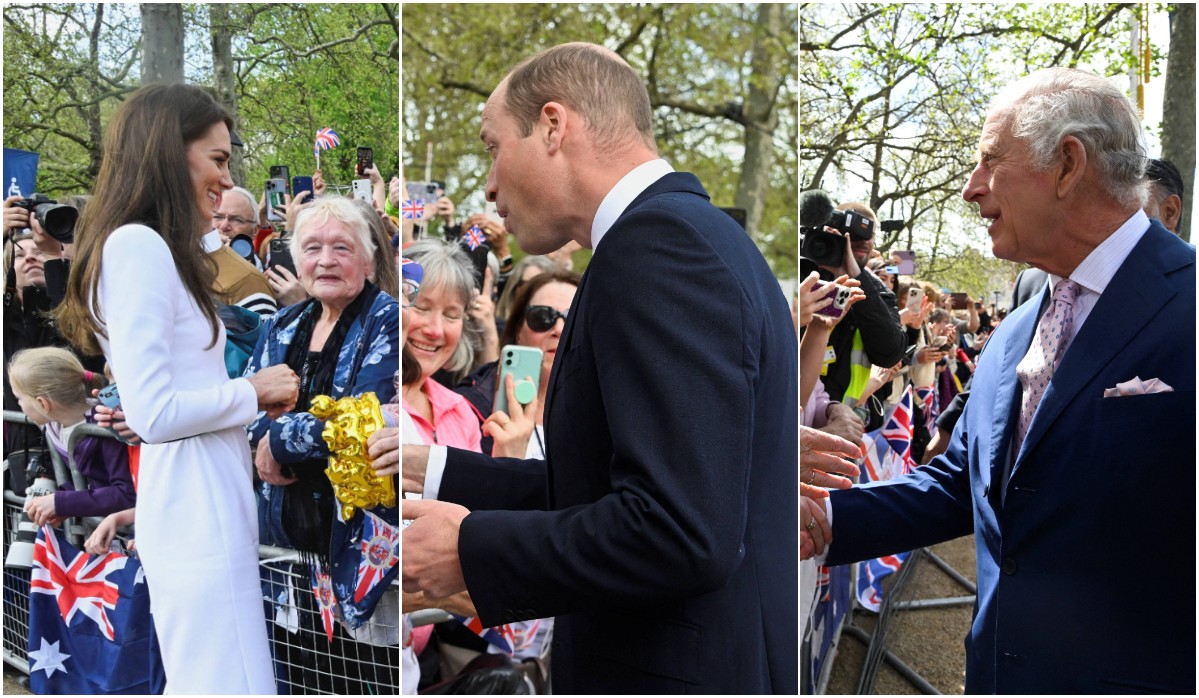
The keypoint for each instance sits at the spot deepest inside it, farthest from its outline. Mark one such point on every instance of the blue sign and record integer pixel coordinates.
(20, 172)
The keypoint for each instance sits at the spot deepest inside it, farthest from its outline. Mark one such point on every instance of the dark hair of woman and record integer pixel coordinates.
(144, 178)
(516, 317)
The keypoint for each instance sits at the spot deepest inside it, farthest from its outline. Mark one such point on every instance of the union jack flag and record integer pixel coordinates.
(474, 237)
(380, 549)
(928, 398)
(80, 585)
(897, 429)
(413, 208)
(322, 588)
(870, 577)
(326, 138)
(501, 636)
(888, 455)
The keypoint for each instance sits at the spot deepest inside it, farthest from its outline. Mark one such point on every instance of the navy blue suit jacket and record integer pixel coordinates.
(1086, 573)
(667, 550)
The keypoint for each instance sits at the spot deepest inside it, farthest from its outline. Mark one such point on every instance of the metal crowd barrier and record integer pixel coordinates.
(306, 663)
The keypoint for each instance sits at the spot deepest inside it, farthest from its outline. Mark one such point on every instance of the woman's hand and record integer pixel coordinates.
(277, 388)
(269, 470)
(929, 355)
(511, 434)
(318, 183)
(383, 448)
(40, 509)
(110, 418)
(287, 287)
(292, 208)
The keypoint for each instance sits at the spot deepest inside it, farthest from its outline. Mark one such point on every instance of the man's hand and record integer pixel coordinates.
(430, 561)
(383, 448)
(849, 265)
(821, 455)
(415, 460)
(814, 532)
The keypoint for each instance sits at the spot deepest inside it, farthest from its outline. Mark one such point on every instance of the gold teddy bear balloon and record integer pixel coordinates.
(349, 422)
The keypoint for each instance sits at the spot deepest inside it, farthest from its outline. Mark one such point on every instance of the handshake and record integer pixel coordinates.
(825, 461)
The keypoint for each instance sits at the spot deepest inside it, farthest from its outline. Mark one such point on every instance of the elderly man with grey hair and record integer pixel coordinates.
(238, 280)
(1074, 461)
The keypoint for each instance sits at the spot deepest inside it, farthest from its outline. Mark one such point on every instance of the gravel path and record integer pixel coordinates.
(930, 641)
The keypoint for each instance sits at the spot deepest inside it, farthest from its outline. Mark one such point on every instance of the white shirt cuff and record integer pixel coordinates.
(434, 469)
(828, 515)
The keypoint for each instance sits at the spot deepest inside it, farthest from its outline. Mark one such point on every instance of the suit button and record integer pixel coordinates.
(1010, 566)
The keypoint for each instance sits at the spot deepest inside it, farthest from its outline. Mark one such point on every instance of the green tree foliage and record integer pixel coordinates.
(894, 97)
(297, 67)
(698, 63)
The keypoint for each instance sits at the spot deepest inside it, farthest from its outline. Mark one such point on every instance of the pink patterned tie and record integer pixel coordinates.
(1048, 345)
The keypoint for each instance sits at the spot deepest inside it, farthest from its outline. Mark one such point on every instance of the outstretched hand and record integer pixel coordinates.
(430, 562)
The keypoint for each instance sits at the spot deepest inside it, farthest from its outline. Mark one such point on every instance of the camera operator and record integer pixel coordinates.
(36, 265)
(870, 333)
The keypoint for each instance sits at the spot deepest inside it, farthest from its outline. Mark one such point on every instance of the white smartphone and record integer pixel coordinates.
(915, 298)
(362, 190)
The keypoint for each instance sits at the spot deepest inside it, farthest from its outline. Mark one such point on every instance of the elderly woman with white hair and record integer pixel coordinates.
(342, 341)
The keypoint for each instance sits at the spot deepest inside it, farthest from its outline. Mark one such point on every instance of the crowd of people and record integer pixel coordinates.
(1040, 412)
(219, 329)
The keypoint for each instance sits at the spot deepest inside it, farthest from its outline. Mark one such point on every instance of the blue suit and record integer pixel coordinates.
(668, 545)
(1086, 572)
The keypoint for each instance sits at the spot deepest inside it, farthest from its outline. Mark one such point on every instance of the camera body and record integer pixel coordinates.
(822, 247)
(58, 220)
(20, 553)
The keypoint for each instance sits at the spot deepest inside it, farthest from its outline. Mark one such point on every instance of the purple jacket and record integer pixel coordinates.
(105, 465)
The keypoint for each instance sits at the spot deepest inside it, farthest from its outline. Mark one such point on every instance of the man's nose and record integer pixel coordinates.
(976, 185)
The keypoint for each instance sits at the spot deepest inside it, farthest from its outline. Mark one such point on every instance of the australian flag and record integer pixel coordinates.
(90, 629)
(888, 455)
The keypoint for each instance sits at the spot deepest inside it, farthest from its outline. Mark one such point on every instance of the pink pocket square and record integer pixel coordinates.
(1136, 386)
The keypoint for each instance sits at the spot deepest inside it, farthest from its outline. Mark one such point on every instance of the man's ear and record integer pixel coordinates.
(556, 120)
(1171, 210)
(1071, 167)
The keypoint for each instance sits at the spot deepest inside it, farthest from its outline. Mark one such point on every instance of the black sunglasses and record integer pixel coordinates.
(541, 318)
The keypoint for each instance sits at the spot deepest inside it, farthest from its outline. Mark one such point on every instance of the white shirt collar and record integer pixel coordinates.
(1097, 270)
(628, 188)
(211, 242)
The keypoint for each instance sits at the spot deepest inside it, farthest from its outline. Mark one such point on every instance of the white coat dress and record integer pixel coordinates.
(196, 520)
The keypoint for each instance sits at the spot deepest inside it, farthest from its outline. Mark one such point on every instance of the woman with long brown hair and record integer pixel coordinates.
(139, 292)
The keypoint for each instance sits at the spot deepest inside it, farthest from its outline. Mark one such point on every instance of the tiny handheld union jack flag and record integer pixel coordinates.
(474, 237)
(413, 208)
(326, 138)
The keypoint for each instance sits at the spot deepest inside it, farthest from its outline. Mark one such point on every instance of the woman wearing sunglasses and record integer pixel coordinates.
(536, 320)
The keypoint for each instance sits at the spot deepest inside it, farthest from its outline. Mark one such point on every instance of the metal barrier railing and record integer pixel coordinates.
(306, 662)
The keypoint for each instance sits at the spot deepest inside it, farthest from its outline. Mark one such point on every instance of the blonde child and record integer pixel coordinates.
(52, 388)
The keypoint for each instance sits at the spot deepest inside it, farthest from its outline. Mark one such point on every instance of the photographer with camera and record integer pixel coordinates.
(870, 333)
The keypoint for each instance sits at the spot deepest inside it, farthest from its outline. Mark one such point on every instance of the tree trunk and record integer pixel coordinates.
(162, 43)
(761, 118)
(224, 79)
(1178, 110)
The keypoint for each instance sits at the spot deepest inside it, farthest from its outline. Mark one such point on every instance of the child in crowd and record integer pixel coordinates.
(52, 388)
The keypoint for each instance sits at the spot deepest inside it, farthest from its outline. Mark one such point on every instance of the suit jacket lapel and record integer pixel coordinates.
(1008, 391)
(1132, 299)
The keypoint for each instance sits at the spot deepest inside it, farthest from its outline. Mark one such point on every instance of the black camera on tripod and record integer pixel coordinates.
(58, 220)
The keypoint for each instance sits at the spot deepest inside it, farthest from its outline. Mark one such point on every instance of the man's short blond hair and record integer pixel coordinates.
(593, 81)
